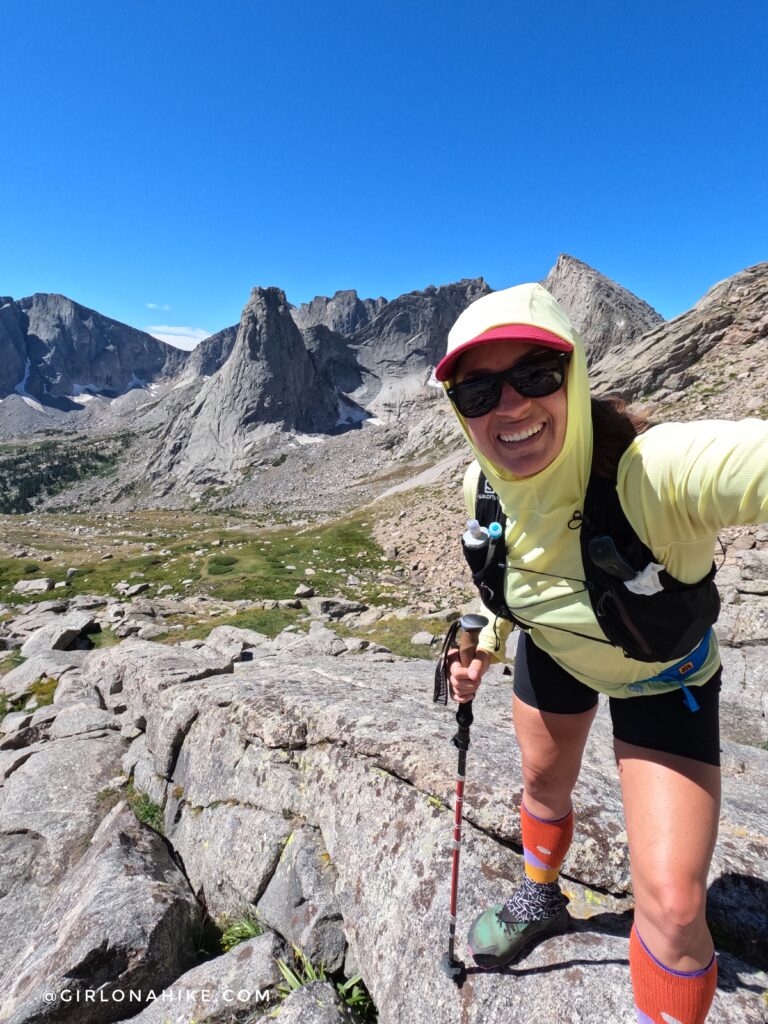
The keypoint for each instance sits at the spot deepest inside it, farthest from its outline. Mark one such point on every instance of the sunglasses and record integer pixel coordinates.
(533, 378)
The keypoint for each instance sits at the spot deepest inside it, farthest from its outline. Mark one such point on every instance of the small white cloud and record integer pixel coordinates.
(181, 337)
(157, 305)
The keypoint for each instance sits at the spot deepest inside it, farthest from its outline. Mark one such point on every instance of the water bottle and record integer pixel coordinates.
(476, 536)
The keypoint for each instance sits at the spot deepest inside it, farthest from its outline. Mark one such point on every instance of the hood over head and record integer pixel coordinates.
(529, 313)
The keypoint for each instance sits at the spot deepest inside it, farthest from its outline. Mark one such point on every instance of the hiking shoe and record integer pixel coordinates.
(496, 937)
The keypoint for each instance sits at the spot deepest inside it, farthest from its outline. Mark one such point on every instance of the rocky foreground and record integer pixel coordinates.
(308, 780)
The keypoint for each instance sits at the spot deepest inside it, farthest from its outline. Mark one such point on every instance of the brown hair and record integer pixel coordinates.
(613, 428)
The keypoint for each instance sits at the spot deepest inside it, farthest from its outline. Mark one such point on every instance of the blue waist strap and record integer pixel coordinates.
(678, 672)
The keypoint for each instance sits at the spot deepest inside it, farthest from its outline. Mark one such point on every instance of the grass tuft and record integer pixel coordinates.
(352, 991)
(239, 930)
(43, 690)
(146, 810)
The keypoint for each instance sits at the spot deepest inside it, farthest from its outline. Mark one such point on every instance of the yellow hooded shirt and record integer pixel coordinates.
(678, 483)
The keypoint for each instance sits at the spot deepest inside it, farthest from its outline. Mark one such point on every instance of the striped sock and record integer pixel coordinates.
(545, 844)
(664, 996)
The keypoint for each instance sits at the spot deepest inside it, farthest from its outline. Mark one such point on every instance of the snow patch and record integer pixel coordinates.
(349, 413)
(33, 403)
(373, 421)
(21, 389)
(83, 393)
(308, 439)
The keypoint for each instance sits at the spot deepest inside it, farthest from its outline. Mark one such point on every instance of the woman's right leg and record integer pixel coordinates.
(551, 744)
(553, 713)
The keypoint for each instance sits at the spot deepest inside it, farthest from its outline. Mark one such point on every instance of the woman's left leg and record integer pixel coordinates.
(672, 807)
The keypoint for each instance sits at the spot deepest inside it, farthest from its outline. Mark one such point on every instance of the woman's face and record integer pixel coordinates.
(521, 435)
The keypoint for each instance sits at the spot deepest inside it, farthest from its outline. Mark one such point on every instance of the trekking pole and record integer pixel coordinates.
(470, 631)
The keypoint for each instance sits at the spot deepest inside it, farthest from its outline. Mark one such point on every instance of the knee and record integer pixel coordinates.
(675, 906)
(545, 785)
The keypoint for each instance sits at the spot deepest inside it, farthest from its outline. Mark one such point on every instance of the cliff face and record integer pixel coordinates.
(269, 383)
(712, 359)
(13, 344)
(211, 354)
(58, 350)
(399, 348)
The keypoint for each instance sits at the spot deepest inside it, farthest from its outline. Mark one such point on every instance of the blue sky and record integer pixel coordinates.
(161, 158)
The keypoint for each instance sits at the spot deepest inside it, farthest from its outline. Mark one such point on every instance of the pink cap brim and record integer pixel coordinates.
(506, 332)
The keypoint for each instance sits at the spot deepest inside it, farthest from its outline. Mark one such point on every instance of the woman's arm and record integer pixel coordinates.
(680, 483)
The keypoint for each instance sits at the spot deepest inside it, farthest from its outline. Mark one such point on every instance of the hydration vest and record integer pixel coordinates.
(660, 626)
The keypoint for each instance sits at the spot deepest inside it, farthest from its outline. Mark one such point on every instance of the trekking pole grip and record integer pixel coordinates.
(471, 625)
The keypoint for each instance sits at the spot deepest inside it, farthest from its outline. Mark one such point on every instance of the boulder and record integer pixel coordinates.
(121, 674)
(232, 641)
(76, 719)
(49, 809)
(744, 697)
(242, 980)
(123, 918)
(34, 586)
(55, 793)
(14, 721)
(319, 640)
(47, 665)
(152, 631)
(300, 900)
(229, 853)
(745, 623)
(754, 565)
(36, 616)
(24, 729)
(315, 1003)
(88, 601)
(333, 607)
(423, 639)
(69, 631)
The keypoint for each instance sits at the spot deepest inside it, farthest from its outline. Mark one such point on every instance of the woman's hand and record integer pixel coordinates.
(465, 681)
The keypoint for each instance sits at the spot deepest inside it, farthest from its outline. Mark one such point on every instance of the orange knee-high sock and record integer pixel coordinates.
(545, 844)
(664, 996)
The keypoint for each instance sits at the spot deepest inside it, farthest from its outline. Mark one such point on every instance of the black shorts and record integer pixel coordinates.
(660, 721)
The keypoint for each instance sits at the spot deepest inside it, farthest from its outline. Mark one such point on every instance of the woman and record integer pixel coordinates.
(516, 373)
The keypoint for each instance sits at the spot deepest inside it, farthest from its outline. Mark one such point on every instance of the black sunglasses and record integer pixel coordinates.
(533, 378)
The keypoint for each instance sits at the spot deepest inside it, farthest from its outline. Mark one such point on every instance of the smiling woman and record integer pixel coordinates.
(516, 373)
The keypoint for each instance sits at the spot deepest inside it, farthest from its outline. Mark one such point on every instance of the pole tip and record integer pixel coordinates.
(454, 969)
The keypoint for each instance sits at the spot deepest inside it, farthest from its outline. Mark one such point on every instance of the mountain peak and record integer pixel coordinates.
(605, 314)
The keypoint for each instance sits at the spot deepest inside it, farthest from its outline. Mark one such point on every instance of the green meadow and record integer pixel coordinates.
(214, 556)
